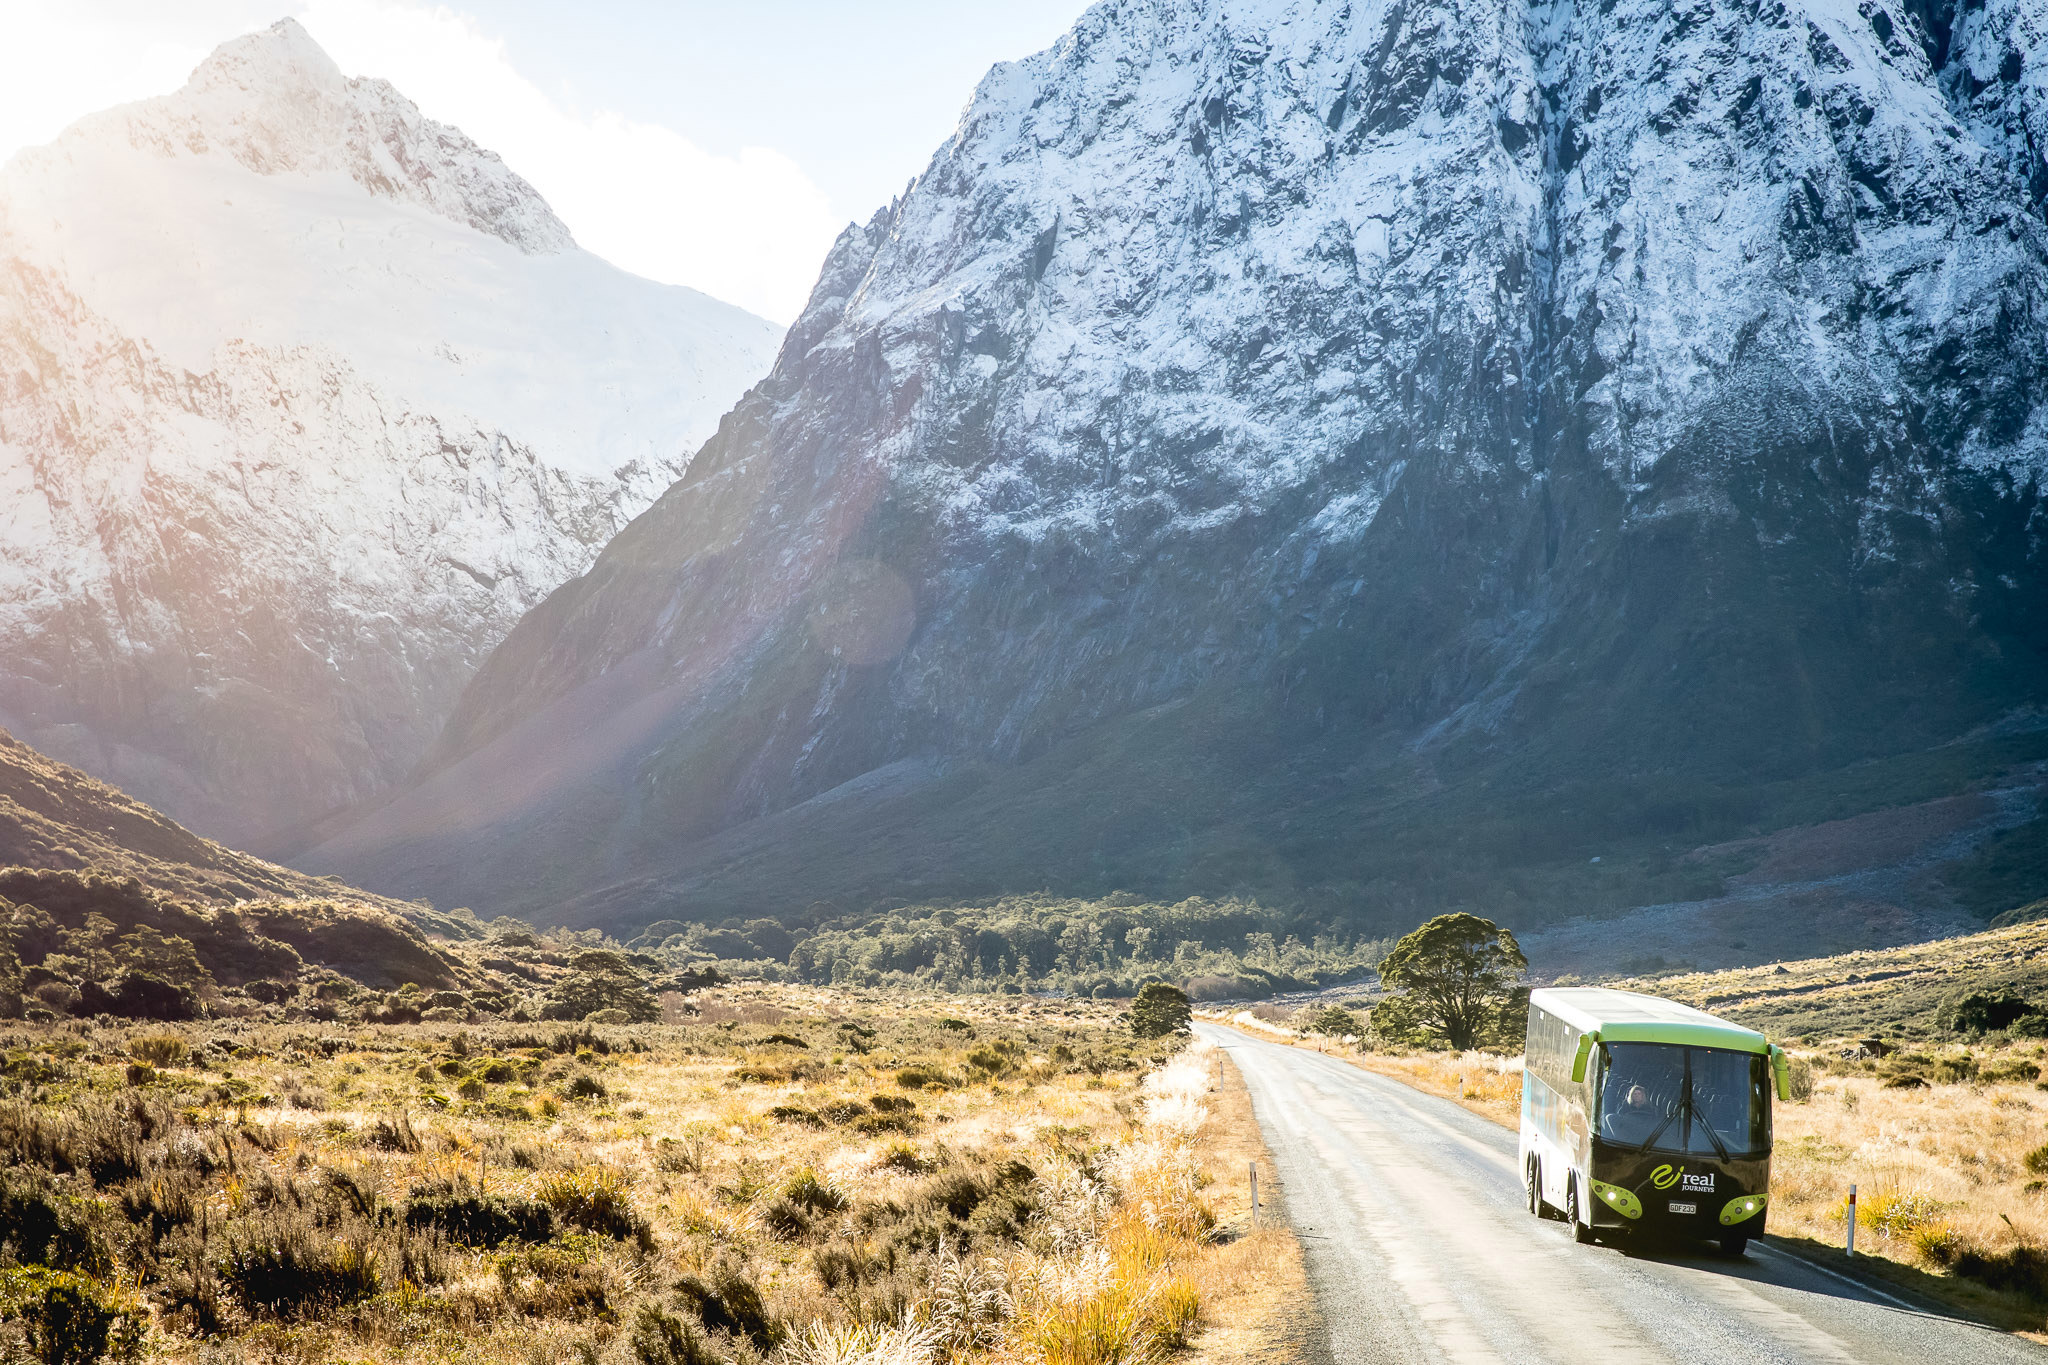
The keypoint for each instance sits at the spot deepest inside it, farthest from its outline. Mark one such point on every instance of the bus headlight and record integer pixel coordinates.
(1618, 1199)
(1742, 1208)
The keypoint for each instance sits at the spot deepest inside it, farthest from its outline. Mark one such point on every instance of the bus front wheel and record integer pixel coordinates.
(1735, 1244)
(1582, 1233)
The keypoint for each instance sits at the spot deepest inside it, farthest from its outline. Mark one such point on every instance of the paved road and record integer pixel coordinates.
(1420, 1249)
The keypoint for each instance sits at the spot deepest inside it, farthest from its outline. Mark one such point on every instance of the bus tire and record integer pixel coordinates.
(1582, 1233)
(1735, 1244)
(1538, 1205)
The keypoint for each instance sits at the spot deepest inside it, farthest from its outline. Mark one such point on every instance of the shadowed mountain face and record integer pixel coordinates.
(1271, 439)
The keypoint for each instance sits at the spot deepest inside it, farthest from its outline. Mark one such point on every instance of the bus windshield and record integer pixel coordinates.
(1702, 1101)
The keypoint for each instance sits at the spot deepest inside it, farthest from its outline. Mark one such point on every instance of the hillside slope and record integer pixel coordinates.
(304, 400)
(55, 818)
(1893, 991)
(1369, 454)
(84, 868)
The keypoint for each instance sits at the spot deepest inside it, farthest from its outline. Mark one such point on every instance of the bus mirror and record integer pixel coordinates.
(1586, 1041)
(1781, 1067)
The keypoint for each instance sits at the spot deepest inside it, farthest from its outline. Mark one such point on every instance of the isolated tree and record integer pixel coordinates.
(1160, 1009)
(1333, 1020)
(585, 993)
(1456, 972)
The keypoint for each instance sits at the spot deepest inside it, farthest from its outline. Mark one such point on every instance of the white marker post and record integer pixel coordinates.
(1255, 1193)
(1852, 1221)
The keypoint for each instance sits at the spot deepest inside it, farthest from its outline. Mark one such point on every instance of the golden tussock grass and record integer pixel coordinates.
(775, 1201)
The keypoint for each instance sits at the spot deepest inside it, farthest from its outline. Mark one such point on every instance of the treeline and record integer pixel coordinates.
(1108, 948)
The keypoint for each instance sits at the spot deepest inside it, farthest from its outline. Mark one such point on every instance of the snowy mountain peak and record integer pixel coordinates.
(276, 103)
(306, 399)
(280, 60)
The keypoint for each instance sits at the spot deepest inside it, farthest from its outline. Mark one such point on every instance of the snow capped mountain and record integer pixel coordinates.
(1296, 398)
(304, 400)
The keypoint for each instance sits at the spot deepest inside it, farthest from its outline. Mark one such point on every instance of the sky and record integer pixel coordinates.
(720, 144)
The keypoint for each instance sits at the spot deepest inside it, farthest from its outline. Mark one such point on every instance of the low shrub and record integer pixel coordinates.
(393, 1134)
(462, 1214)
(40, 1226)
(289, 1271)
(2020, 1269)
(661, 1338)
(807, 1191)
(1981, 1012)
(2010, 1070)
(1898, 1213)
(159, 1049)
(727, 1301)
(70, 1319)
(1955, 1070)
(596, 1199)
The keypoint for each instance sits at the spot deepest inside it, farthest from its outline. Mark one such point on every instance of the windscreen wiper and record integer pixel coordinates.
(1712, 1136)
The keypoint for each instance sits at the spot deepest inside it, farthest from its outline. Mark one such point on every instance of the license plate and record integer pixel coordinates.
(1677, 1207)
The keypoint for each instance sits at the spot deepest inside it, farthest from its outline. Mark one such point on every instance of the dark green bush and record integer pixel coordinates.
(727, 1301)
(286, 1270)
(1981, 1012)
(137, 995)
(918, 1077)
(40, 1226)
(1332, 1021)
(463, 1215)
(70, 1323)
(664, 1339)
(1955, 1070)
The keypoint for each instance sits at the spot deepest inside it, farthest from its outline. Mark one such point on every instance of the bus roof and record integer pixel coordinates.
(1626, 1017)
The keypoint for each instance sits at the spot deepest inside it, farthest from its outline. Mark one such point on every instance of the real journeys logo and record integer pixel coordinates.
(1666, 1176)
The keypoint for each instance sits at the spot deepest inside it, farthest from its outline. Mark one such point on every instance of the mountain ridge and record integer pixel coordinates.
(1426, 399)
(276, 103)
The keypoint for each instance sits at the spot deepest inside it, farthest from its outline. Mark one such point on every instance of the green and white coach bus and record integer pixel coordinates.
(1645, 1115)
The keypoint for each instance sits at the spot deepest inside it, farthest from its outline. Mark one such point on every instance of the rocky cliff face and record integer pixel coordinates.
(304, 400)
(1266, 405)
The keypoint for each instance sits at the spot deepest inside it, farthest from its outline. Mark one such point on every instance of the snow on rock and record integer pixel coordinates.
(1669, 374)
(304, 400)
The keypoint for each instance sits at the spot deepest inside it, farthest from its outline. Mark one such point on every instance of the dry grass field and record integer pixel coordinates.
(793, 1175)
